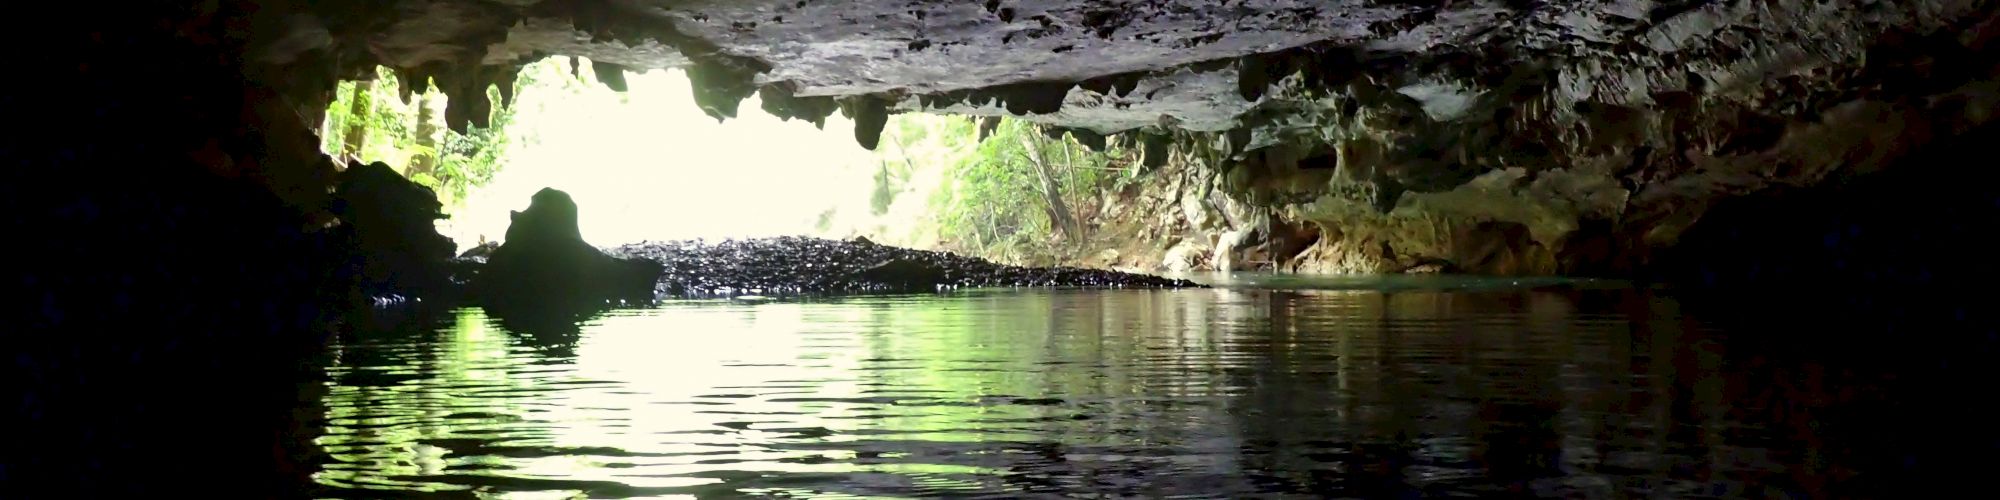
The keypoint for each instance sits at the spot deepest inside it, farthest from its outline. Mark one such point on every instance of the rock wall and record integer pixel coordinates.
(1186, 216)
(167, 192)
(1600, 130)
(162, 210)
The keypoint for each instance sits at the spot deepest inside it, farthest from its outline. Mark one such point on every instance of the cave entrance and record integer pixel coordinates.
(644, 162)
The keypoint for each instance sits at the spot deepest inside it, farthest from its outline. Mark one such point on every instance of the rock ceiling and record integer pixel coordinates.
(1112, 66)
(1662, 99)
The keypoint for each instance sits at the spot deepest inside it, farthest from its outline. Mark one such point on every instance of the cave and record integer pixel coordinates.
(1785, 164)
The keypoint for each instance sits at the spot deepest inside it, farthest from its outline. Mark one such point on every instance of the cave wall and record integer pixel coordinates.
(170, 285)
(1602, 128)
(167, 192)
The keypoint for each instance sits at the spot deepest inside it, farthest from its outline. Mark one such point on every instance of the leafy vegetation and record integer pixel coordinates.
(1003, 189)
(1017, 196)
(370, 121)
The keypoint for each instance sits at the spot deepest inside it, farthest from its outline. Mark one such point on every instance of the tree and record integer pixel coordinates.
(356, 134)
(1051, 189)
(425, 160)
(1006, 191)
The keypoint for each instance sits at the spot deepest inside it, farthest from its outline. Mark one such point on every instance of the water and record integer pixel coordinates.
(1477, 389)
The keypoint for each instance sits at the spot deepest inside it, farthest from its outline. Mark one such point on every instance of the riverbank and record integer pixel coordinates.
(791, 265)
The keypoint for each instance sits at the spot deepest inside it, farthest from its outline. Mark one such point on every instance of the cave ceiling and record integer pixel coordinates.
(1112, 66)
(1427, 94)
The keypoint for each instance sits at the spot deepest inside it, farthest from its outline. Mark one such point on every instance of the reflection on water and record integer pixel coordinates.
(1593, 393)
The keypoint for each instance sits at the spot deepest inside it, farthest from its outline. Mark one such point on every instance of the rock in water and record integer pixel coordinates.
(389, 223)
(465, 268)
(479, 254)
(545, 263)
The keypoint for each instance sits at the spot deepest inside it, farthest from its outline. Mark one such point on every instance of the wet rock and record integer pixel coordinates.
(800, 265)
(1431, 267)
(465, 268)
(903, 273)
(1590, 250)
(1499, 248)
(545, 263)
(479, 254)
(1183, 257)
(388, 222)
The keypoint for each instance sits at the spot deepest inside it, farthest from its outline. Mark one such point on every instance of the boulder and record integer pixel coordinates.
(1183, 257)
(388, 223)
(544, 262)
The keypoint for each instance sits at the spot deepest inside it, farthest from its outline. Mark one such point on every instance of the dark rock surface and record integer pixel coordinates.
(388, 223)
(1354, 116)
(545, 263)
(800, 265)
(171, 279)
(478, 254)
(167, 189)
(1893, 241)
(465, 268)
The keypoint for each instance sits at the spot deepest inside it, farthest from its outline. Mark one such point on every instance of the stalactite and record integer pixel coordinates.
(611, 75)
(870, 116)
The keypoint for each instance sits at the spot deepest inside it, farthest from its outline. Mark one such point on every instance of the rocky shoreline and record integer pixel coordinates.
(793, 265)
(545, 263)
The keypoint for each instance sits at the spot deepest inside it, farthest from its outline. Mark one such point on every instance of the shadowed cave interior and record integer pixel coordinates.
(1815, 172)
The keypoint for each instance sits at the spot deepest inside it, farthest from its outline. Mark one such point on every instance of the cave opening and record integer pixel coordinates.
(221, 293)
(642, 162)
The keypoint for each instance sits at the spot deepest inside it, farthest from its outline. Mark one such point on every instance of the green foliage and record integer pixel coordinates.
(825, 222)
(992, 200)
(416, 142)
(471, 159)
(989, 200)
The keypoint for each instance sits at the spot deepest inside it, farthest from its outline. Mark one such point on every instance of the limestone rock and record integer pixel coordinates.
(1226, 246)
(1630, 112)
(1184, 256)
(389, 223)
(545, 263)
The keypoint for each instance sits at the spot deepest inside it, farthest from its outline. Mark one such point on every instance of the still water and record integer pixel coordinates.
(1390, 389)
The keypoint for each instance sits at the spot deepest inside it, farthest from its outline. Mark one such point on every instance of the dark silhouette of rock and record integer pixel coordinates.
(545, 262)
(1591, 250)
(465, 268)
(390, 226)
(1891, 249)
(479, 254)
(551, 332)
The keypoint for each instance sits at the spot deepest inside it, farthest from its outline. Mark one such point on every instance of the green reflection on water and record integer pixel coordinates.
(964, 392)
(378, 432)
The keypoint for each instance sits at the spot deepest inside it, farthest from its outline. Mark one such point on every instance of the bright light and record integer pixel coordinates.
(649, 164)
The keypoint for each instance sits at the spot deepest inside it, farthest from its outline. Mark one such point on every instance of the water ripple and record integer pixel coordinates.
(1177, 394)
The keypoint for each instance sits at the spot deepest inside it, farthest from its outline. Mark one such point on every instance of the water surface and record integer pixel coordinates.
(1477, 390)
